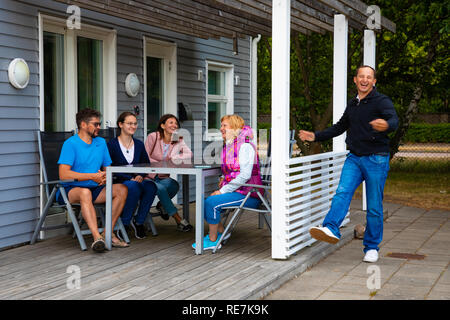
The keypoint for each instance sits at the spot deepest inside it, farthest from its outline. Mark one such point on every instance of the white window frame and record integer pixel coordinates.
(109, 90)
(167, 51)
(228, 98)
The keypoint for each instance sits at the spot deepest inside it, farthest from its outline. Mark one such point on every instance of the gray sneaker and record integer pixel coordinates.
(184, 226)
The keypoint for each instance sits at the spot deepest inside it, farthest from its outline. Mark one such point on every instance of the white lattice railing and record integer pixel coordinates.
(311, 184)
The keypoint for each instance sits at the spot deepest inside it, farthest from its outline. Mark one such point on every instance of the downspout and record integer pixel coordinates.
(254, 86)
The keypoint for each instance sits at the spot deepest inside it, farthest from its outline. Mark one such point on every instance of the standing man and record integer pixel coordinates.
(83, 158)
(368, 118)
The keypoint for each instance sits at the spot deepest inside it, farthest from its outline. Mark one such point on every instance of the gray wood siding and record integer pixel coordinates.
(19, 109)
(19, 120)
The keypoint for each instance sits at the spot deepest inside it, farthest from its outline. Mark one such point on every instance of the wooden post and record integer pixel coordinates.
(340, 75)
(281, 23)
(369, 60)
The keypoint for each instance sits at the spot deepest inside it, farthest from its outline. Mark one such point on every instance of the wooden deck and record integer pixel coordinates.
(161, 267)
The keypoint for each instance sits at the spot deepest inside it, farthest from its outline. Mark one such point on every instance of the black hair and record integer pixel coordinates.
(366, 66)
(86, 115)
(163, 120)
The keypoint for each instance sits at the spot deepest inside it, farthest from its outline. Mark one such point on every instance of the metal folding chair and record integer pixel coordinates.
(265, 209)
(108, 133)
(50, 145)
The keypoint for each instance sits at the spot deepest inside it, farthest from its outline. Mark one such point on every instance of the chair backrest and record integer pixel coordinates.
(266, 165)
(107, 133)
(50, 145)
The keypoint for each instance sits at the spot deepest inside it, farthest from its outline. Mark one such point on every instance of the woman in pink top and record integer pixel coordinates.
(160, 146)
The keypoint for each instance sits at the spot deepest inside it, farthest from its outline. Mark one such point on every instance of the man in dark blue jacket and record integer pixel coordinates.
(368, 118)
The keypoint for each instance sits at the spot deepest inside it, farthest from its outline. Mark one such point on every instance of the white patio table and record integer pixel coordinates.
(199, 170)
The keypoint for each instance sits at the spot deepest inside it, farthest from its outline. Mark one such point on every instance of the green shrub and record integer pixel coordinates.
(424, 132)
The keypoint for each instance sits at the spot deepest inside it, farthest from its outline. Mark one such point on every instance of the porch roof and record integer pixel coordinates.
(232, 18)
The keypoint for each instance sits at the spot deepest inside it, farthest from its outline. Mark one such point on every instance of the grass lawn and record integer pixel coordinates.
(418, 185)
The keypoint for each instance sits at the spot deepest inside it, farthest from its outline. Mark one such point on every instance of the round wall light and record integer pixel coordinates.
(132, 85)
(18, 73)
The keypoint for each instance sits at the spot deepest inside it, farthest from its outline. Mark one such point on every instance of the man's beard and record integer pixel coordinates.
(93, 134)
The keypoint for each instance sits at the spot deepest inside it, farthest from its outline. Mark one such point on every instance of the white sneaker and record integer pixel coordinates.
(323, 234)
(371, 256)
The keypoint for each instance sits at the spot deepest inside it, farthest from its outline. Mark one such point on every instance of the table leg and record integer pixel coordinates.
(199, 199)
(185, 181)
(108, 209)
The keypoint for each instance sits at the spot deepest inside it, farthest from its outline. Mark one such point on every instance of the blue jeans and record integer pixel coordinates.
(373, 170)
(145, 192)
(167, 188)
(213, 204)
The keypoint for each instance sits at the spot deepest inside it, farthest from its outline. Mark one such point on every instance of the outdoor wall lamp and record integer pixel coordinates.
(18, 73)
(200, 75)
(132, 85)
(237, 80)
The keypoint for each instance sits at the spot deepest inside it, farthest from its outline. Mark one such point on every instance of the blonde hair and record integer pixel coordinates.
(236, 122)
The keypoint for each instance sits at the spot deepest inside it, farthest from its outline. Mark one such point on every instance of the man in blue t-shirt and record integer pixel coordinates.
(83, 158)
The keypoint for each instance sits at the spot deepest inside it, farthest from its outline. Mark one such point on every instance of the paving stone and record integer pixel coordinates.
(410, 245)
(408, 281)
(386, 271)
(330, 295)
(432, 250)
(438, 295)
(408, 211)
(432, 260)
(352, 284)
(440, 291)
(445, 278)
(319, 277)
(409, 269)
(312, 292)
(404, 292)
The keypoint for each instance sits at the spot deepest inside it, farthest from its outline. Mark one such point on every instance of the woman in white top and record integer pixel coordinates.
(240, 164)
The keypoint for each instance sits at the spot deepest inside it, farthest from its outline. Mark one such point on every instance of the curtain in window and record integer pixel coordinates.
(53, 81)
(90, 71)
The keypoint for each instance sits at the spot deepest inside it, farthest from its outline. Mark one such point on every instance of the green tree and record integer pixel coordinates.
(412, 66)
(413, 63)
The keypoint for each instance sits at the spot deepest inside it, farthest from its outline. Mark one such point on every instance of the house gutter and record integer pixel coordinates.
(254, 86)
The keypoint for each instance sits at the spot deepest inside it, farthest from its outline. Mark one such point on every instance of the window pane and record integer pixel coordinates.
(90, 71)
(216, 82)
(53, 81)
(216, 111)
(155, 97)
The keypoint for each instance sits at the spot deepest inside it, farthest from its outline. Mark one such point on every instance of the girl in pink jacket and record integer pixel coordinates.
(160, 146)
